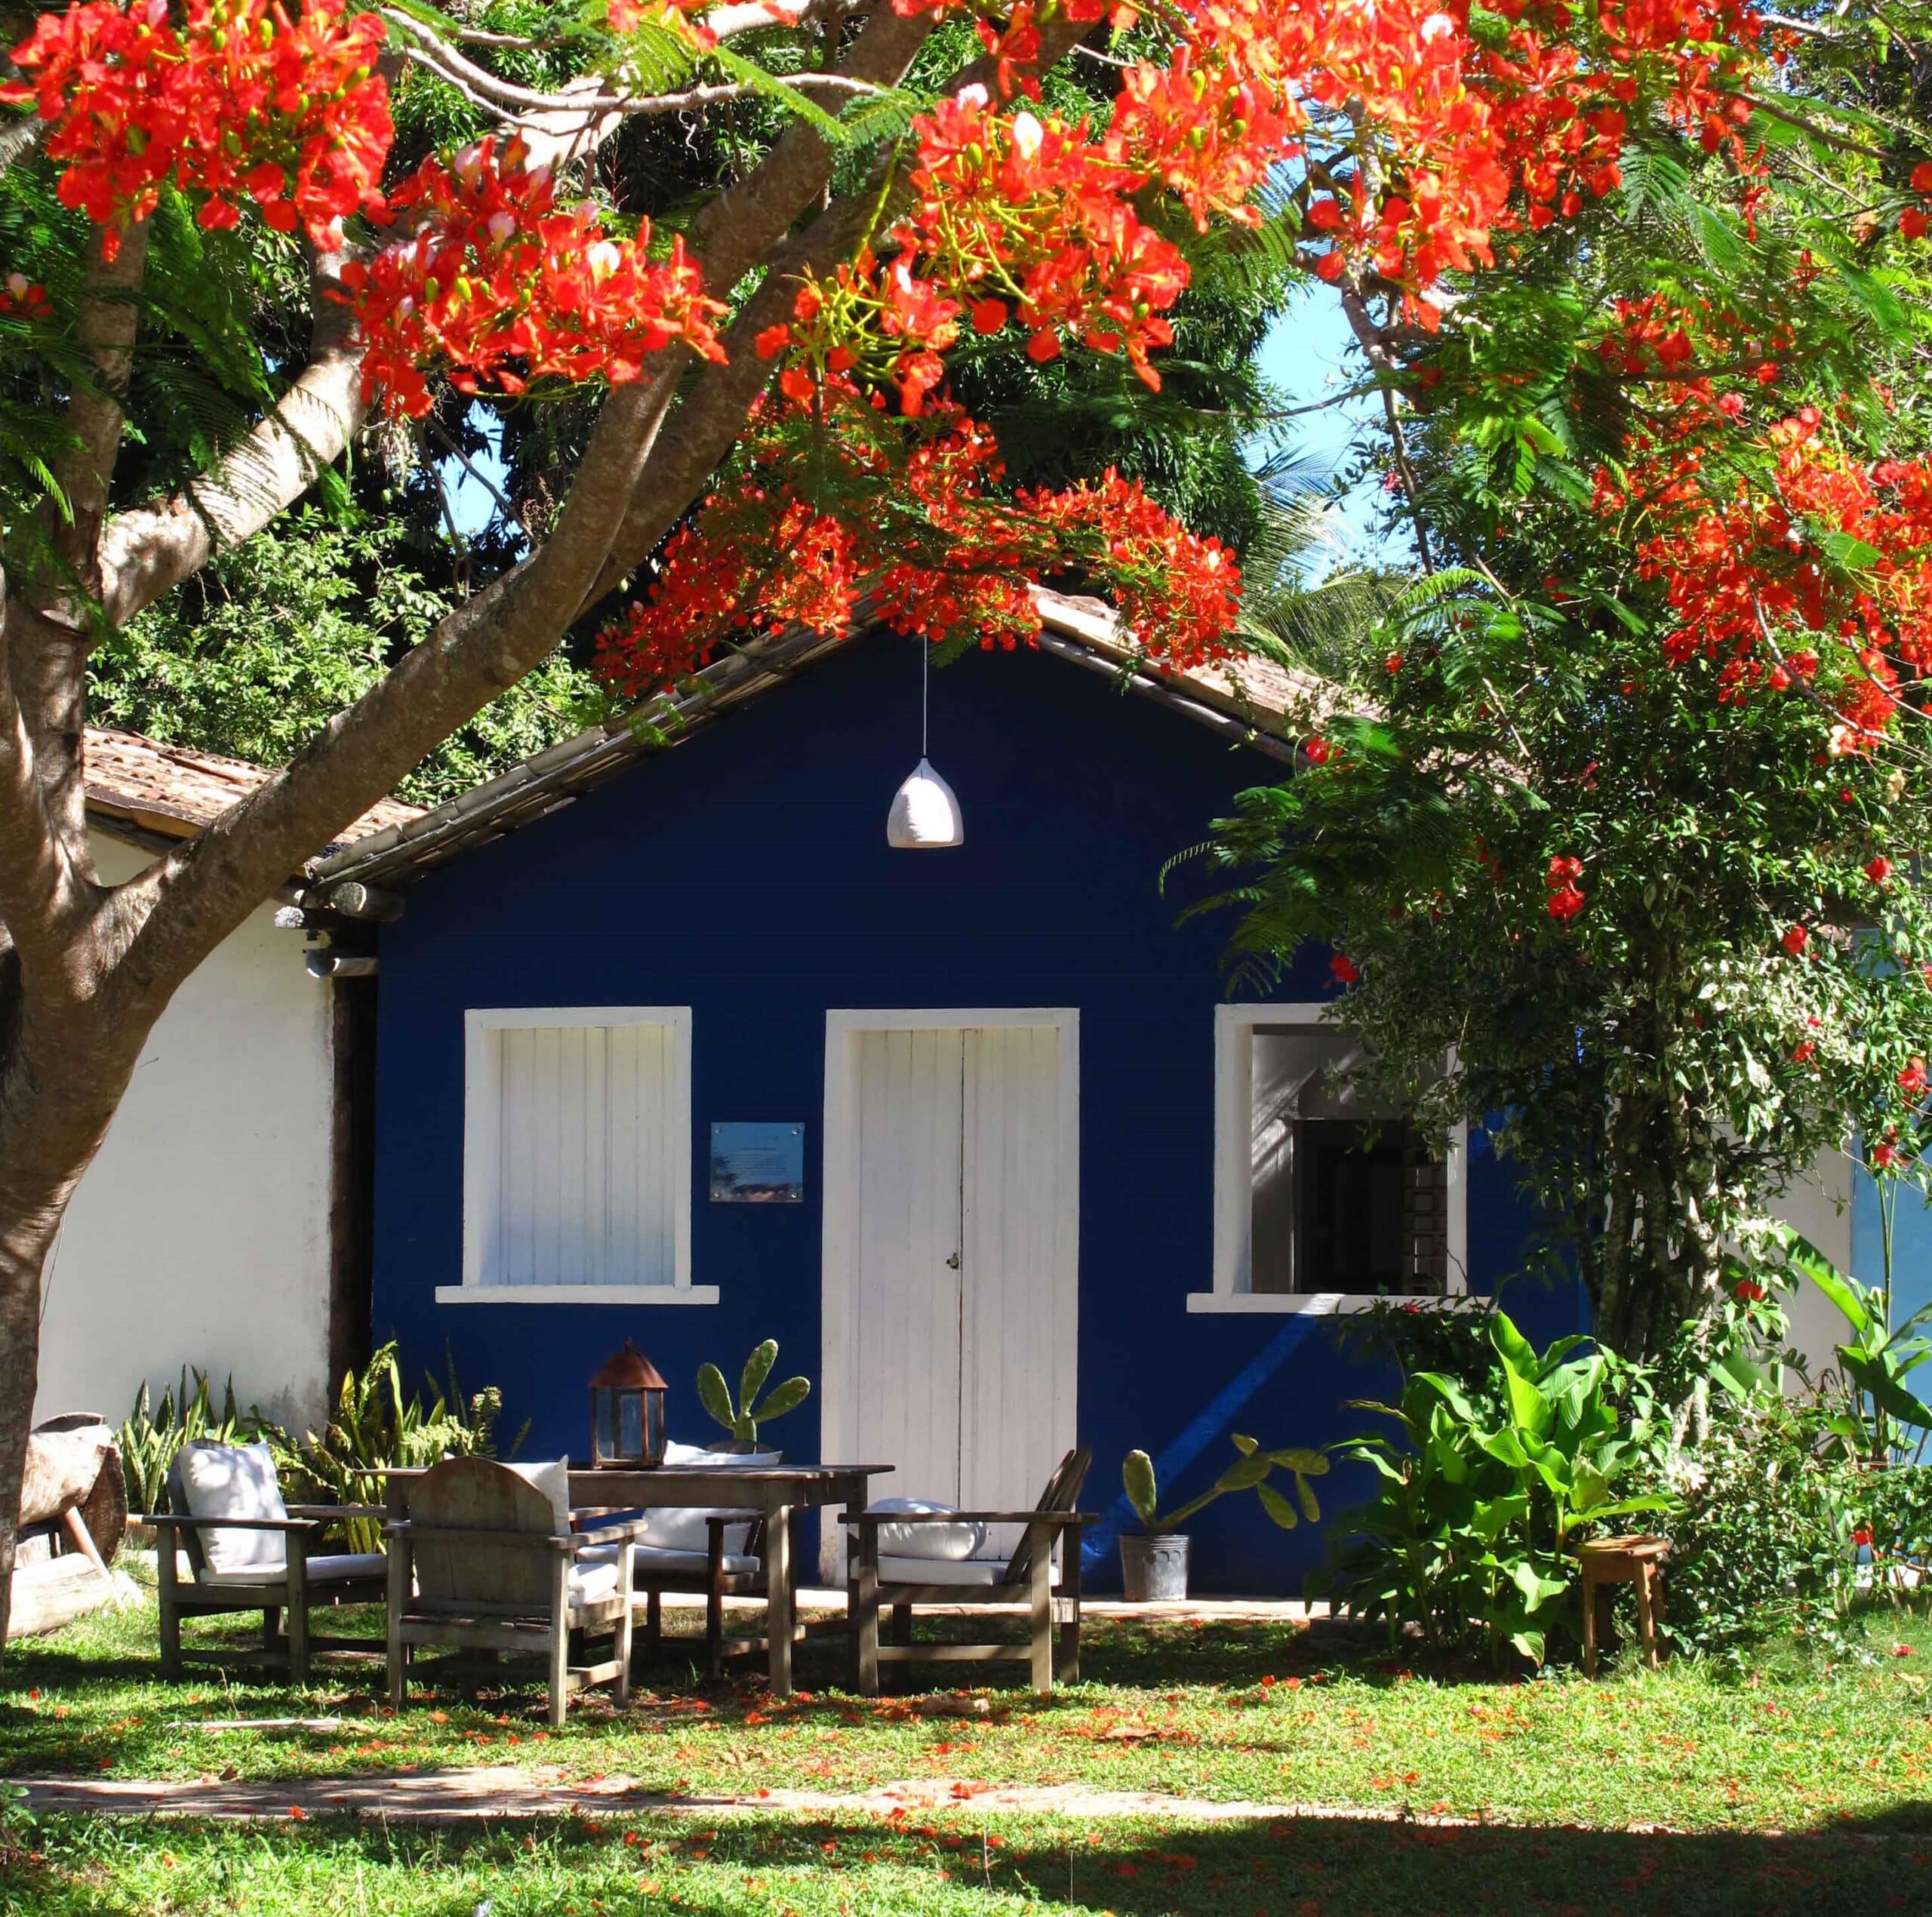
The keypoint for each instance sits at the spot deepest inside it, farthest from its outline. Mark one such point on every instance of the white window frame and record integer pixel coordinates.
(482, 1158)
(1234, 1179)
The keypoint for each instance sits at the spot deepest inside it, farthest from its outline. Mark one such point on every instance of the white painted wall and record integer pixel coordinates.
(1819, 1206)
(199, 1236)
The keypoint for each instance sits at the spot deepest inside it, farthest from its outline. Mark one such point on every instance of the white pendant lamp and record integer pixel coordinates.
(925, 815)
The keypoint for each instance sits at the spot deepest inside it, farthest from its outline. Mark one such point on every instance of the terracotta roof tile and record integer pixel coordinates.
(176, 791)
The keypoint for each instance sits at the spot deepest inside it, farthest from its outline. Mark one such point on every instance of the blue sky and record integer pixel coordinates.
(1311, 355)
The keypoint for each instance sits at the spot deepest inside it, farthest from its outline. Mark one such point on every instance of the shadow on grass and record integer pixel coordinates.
(955, 1867)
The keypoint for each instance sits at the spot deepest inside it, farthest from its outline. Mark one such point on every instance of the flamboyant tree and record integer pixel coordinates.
(1632, 816)
(773, 437)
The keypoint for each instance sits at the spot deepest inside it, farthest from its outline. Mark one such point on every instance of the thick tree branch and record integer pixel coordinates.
(42, 897)
(105, 327)
(148, 551)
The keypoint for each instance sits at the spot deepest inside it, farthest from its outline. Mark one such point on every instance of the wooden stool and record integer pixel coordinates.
(1634, 1560)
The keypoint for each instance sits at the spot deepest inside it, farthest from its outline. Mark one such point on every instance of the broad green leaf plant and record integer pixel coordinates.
(743, 1419)
(1484, 1497)
(1251, 1471)
(1881, 1410)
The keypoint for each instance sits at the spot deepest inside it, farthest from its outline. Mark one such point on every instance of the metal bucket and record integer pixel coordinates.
(1154, 1569)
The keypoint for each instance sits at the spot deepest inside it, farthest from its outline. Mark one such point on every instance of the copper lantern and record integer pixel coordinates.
(627, 1412)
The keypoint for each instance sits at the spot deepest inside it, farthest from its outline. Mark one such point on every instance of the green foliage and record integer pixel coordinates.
(253, 656)
(1656, 1068)
(743, 1419)
(1761, 1539)
(1253, 1470)
(152, 1436)
(376, 1426)
(1483, 1497)
(1877, 1405)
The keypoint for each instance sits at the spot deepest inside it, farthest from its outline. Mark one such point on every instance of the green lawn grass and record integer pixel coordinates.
(1799, 1789)
(952, 1867)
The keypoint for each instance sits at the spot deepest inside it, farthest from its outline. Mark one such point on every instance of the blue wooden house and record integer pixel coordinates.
(671, 1045)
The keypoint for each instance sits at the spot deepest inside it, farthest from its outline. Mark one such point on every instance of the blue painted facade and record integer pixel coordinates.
(745, 874)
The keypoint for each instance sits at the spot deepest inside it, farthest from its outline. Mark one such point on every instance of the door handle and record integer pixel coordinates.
(952, 1264)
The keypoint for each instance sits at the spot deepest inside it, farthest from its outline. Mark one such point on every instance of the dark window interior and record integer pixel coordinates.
(1370, 1209)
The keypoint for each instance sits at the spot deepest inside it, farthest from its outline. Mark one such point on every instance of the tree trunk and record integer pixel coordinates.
(58, 1087)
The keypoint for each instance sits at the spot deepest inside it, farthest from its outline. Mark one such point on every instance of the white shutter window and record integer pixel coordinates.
(577, 1157)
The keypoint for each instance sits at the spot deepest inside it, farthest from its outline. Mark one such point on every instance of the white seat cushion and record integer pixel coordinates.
(963, 1539)
(654, 1558)
(963, 1571)
(334, 1568)
(593, 1582)
(234, 1481)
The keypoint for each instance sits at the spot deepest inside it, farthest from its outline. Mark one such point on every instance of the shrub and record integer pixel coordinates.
(1484, 1494)
(376, 1427)
(151, 1437)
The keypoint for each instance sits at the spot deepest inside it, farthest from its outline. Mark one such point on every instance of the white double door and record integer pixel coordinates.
(951, 1251)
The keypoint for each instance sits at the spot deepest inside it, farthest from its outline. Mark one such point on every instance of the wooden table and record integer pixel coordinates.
(774, 1491)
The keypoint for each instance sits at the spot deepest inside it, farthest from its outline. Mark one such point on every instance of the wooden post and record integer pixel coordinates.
(296, 1567)
(1040, 1605)
(1647, 1572)
(560, 1640)
(398, 1602)
(862, 1605)
(626, 1572)
(1068, 1664)
(167, 1596)
(778, 1596)
(1590, 1620)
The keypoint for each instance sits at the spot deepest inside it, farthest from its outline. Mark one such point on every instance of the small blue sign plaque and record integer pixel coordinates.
(757, 1163)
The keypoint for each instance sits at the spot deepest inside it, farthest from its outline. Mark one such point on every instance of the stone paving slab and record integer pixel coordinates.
(503, 1791)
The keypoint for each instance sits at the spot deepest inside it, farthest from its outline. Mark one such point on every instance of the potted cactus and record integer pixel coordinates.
(743, 1419)
(1153, 1561)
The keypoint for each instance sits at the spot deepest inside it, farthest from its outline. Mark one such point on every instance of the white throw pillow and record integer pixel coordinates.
(950, 1541)
(554, 1482)
(235, 1480)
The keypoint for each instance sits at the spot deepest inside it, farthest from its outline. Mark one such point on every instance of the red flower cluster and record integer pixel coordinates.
(1912, 222)
(1344, 969)
(502, 285)
(760, 556)
(1472, 135)
(1753, 581)
(22, 298)
(1013, 207)
(1566, 897)
(239, 102)
(1177, 593)
(1912, 1080)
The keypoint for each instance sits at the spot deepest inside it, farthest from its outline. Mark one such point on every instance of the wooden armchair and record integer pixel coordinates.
(248, 1551)
(901, 1583)
(496, 1567)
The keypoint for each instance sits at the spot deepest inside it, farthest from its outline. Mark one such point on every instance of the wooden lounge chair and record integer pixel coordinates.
(495, 1568)
(901, 1584)
(248, 1551)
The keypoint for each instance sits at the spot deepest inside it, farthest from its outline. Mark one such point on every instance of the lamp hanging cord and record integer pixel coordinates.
(925, 680)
